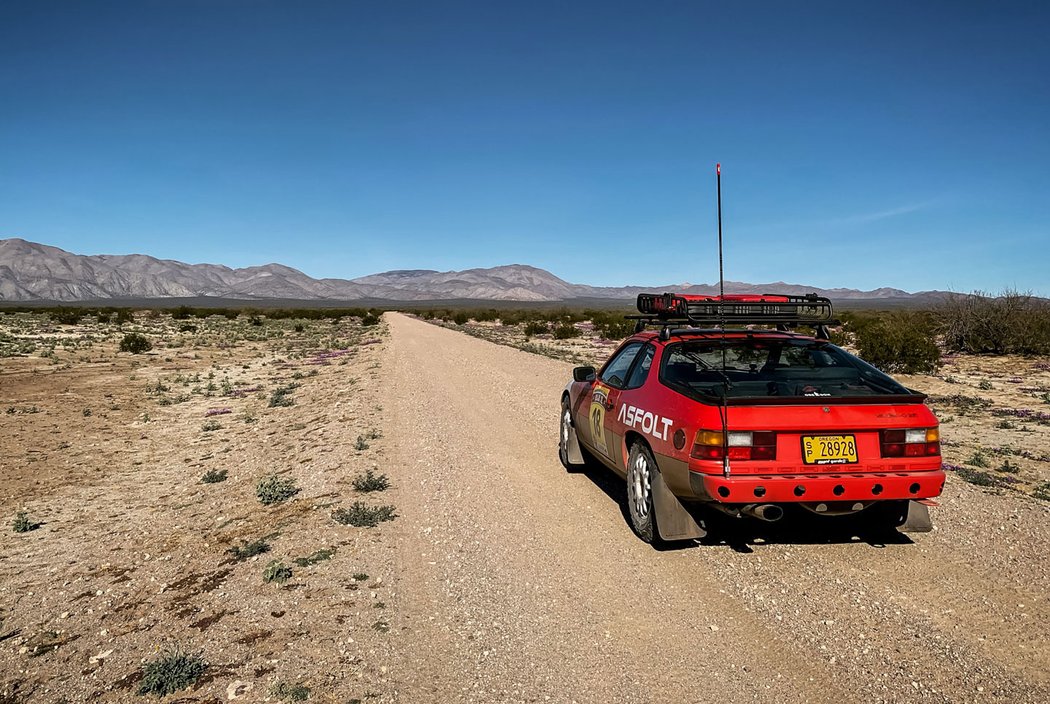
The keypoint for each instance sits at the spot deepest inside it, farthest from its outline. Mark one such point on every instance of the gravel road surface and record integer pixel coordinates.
(523, 582)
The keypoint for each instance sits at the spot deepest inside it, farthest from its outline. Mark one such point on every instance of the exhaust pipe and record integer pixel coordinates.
(764, 512)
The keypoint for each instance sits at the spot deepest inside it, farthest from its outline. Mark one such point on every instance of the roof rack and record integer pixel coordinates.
(784, 311)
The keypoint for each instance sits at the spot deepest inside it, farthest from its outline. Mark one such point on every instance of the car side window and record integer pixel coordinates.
(615, 372)
(641, 368)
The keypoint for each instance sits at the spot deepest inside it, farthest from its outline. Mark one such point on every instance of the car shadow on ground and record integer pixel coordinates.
(797, 527)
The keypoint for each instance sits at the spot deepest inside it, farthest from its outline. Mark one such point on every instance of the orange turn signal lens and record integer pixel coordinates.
(711, 438)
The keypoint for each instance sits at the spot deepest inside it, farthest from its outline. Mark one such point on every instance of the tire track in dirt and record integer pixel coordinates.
(527, 583)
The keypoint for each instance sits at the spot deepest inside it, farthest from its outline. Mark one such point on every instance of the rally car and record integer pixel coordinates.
(702, 408)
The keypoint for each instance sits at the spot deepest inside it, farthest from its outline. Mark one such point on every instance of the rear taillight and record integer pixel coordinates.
(912, 442)
(741, 445)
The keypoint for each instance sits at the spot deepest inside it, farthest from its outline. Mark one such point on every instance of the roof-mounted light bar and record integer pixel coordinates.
(737, 309)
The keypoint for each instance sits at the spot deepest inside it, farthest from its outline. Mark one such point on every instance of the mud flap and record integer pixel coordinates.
(673, 521)
(917, 520)
(573, 455)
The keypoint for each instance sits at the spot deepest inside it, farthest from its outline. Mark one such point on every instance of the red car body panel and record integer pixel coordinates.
(668, 421)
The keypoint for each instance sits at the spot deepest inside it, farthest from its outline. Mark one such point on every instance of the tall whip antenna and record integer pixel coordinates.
(722, 324)
(721, 276)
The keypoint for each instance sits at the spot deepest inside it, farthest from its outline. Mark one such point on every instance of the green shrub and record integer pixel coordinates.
(363, 516)
(1008, 467)
(281, 396)
(170, 672)
(536, 327)
(318, 556)
(370, 481)
(898, 342)
(566, 331)
(979, 460)
(67, 316)
(274, 489)
(460, 318)
(135, 343)
(214, 476)
(977, 477)
(1010, 323)
(290, 692)
(23, 524)
(371, 318)
(612, 326)
(245, 550)
(277, 572)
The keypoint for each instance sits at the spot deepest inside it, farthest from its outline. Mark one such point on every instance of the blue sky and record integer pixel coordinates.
(863, 145)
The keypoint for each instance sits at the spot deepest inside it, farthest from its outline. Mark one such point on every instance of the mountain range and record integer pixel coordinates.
(37, 272)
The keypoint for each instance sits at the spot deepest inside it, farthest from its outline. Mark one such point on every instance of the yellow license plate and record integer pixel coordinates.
(829, 449)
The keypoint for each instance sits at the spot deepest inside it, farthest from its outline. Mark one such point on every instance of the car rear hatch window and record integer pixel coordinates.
(772, 371)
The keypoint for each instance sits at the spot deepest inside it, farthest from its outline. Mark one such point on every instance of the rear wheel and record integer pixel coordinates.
(640, 469)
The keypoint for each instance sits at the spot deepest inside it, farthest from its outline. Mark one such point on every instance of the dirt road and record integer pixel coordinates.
(522, 582)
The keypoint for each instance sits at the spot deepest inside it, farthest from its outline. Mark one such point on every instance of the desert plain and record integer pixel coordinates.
(323, 510)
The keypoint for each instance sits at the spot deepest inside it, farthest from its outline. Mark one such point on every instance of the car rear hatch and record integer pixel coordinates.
(792, 437)
(849, 453)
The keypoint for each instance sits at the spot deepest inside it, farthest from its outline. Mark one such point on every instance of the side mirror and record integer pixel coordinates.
(583, 374)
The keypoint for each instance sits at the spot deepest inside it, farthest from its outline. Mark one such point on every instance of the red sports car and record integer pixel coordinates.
(700, 407)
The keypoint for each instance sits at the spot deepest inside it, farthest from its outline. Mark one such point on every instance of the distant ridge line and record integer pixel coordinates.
(33, 272)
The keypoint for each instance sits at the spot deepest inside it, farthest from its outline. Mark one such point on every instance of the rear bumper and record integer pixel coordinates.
(798, 488)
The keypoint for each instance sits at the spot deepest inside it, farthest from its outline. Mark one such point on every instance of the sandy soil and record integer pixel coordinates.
(106, 451)
(503, 578)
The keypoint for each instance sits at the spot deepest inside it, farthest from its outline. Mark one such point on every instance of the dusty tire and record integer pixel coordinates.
(640, 469)
(565, 428)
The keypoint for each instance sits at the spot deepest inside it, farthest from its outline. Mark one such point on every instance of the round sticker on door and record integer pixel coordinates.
(597, 417)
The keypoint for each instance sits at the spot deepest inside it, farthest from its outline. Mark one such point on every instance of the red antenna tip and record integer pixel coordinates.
(718, 168)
